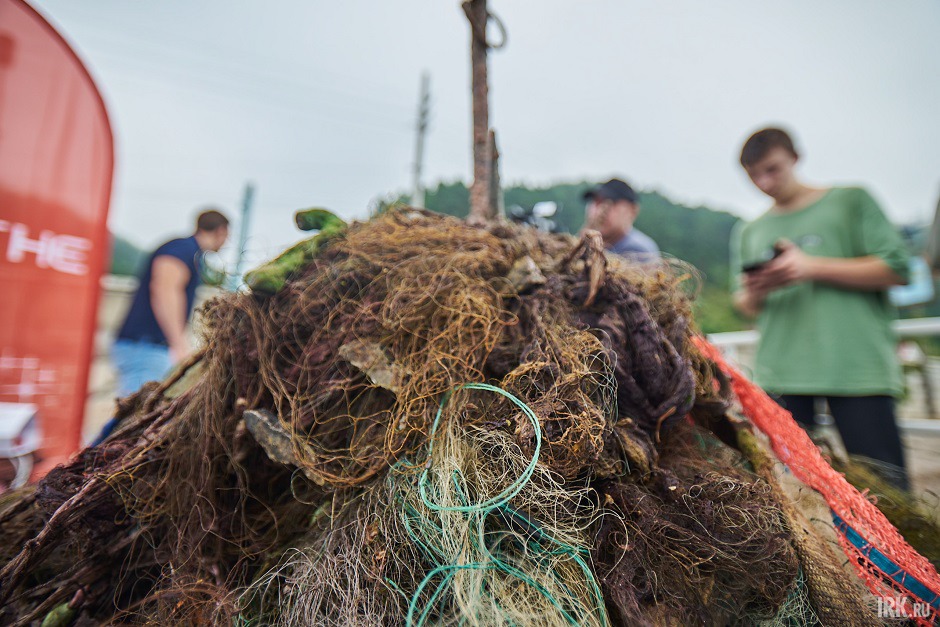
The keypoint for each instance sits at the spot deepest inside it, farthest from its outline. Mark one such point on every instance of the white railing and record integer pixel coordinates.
(912, 327)
(732, 343)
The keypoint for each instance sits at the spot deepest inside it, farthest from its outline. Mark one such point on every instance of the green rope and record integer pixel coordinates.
(422, 530)
(515, 487)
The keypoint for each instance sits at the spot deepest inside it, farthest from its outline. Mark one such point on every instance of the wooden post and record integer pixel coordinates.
(480, 208)
(496, 204)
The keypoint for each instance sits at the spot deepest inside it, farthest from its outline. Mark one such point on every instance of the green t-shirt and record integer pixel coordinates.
(817, 338)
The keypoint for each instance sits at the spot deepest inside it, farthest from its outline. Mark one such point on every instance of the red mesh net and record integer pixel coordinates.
(795, 449)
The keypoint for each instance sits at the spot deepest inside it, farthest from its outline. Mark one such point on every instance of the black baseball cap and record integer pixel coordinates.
(614, 189)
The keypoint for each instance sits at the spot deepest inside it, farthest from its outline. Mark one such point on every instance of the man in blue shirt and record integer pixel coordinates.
(153, 336)
(612, 208)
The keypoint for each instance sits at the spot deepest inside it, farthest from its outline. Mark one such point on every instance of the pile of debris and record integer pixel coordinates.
(415, 420)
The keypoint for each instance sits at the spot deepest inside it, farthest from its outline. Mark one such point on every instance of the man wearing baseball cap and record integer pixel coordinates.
(612, 207)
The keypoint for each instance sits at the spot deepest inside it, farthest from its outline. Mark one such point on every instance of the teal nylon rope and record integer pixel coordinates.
(422, 530)
(515, 487)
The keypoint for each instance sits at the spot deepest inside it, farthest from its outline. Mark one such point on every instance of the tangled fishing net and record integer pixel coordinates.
(414, 421)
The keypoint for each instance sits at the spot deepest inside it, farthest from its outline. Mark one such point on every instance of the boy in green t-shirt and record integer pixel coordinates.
(814, 270)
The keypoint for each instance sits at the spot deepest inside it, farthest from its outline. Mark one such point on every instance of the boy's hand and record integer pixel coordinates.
(790, 267)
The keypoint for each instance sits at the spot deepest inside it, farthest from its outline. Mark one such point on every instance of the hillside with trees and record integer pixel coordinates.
(125, 256)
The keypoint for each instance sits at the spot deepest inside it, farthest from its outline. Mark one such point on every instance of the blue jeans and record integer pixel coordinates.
(137, 363)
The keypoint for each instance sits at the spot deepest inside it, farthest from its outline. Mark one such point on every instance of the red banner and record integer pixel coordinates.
(56, 162)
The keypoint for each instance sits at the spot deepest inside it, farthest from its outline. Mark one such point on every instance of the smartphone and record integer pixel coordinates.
(754, 266)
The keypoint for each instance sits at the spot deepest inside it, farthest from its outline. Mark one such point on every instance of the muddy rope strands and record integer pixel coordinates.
(525, 538)
(415, 420)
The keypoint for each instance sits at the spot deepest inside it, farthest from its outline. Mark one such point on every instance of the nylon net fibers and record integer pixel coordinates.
(413, 420)
(882, 557)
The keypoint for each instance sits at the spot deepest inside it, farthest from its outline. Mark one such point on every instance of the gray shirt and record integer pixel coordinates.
(636, 246)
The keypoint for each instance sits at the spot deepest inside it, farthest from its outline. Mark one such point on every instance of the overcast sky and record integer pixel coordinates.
(315, 101)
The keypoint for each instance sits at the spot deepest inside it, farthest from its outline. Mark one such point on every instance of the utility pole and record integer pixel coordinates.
(481, 207)
(424, 111)
(496, 204)
(235, 280)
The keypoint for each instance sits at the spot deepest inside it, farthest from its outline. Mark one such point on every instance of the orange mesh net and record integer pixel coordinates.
(890, 567)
